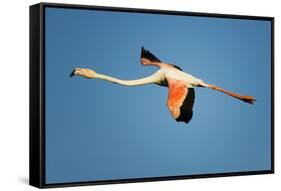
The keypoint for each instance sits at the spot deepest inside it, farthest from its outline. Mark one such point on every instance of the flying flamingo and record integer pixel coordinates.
(180, 84)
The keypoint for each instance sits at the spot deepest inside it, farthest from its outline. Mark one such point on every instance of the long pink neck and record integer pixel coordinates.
(138, 82)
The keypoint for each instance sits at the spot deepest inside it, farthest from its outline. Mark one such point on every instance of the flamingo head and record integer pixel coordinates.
(84, 72)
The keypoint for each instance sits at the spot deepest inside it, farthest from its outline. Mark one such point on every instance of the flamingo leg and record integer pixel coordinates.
(247, 99)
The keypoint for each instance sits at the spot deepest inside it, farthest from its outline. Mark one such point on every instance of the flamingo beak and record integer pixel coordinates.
(72, 74)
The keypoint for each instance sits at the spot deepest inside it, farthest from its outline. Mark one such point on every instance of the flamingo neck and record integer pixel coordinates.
(138, 82)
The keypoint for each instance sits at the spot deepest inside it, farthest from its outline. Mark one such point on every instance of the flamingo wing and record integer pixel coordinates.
(180, 100)
(148, 55)
(147, 58)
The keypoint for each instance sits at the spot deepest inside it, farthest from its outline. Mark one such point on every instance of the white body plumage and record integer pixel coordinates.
(168, 72)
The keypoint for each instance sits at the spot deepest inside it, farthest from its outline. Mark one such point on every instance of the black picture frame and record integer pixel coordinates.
(37, 95)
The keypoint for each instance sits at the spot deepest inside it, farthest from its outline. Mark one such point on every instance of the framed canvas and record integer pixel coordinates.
(203, 105)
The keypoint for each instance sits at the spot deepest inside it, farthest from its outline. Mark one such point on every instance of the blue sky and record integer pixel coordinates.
(96, 130)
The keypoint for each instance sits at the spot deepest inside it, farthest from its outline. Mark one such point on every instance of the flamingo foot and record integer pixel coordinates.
(248, 99)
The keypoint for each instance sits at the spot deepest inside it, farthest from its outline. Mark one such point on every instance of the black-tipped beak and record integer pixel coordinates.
(72, 74)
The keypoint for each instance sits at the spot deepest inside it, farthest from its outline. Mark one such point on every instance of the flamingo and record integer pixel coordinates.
(181, 94)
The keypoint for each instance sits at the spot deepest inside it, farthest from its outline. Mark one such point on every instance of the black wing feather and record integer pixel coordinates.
(186, 111)
(176, 67)
(148, 55)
